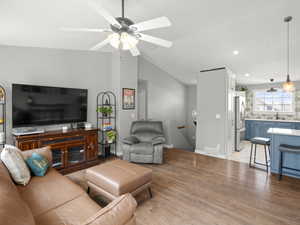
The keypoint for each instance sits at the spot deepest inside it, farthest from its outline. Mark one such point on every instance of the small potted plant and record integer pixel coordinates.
(111, 136)
(105, 110)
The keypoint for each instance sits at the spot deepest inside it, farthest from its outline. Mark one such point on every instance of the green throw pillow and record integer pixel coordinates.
(38, 164)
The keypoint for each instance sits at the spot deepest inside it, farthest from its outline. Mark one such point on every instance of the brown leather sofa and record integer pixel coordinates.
(55, 200)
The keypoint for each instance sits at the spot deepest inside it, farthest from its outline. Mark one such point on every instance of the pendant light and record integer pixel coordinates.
(288, 85)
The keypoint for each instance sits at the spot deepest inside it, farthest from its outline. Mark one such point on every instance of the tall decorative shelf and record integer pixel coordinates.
(106, 123)
(2, 116)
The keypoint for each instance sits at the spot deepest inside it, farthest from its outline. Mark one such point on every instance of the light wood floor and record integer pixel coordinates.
(192, 189)
(244, 154)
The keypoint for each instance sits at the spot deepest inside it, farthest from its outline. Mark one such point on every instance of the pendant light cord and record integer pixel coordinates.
(288, 48)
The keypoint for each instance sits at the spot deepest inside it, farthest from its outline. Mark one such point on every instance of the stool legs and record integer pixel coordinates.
(280, 166)
(250, 161)
(266, 158)
(255, 145)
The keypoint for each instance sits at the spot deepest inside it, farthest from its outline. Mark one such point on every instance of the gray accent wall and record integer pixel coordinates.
(50, 67)
(166, 102)
(191, 100)
(124, 75)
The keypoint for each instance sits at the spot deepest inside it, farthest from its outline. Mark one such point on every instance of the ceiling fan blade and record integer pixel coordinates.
(134, 51)
(155, 40)
(152, 24)
(112, 20)
(100, 45)
(84, 30)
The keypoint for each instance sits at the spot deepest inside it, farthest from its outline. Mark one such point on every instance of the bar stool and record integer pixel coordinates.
(260, 141)
(286, 149)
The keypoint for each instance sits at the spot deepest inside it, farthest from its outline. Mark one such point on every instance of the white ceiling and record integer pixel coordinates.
(204, 32)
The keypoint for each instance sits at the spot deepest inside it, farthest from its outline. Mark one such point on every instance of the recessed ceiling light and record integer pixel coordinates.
(247, 75)
(236, 52)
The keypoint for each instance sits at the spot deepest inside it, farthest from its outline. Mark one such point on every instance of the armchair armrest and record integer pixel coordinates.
(45, 151)
(130, 140)
(118, 212)
(158, 140)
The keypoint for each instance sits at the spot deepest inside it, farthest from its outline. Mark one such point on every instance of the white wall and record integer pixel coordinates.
(166, 101)
(215, 112)
(63, 68)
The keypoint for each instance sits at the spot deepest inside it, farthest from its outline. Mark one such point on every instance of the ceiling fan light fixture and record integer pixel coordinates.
(114, 40)
(128, 41)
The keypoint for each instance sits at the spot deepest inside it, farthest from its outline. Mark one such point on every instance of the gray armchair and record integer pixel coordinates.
(145, 145)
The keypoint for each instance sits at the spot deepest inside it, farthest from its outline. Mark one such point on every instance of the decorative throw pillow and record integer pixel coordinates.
(38, 164)
(12, 158)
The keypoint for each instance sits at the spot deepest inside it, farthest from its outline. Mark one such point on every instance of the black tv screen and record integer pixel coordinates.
(40, 105)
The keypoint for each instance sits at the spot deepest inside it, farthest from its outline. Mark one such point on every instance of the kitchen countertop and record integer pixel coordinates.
(274, 120)
(284, 131)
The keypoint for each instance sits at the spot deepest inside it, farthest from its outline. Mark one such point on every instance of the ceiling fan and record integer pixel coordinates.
(272, 89)
(124, 33)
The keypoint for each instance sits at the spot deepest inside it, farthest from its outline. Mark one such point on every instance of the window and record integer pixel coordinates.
(279, 101)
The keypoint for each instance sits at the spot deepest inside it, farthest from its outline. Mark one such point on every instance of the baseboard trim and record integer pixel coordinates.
(168, 146)
(220, 156)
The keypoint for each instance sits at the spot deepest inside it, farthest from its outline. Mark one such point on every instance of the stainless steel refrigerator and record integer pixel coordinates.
(239, 126)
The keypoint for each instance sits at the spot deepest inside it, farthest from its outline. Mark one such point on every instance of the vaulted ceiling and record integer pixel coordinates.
(205, 32)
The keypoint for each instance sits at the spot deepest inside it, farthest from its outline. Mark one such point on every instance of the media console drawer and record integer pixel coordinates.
(50, 141)
(72, 150)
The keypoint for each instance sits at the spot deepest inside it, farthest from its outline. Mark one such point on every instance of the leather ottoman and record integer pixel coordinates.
(114, 178)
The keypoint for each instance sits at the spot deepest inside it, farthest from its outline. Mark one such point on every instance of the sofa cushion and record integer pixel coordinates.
(45, 193)
(130, 140)
(158, 140)
(13, 210)
(146, 136)
(138, 158)
(74, 212)
(144, 125)
(38, 164)
(143, 148)
(118, 212)
(14, 162)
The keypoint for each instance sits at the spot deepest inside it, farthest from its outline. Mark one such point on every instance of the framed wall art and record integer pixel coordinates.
(128, 98)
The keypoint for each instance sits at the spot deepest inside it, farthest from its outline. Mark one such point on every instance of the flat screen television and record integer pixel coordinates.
(41, 105)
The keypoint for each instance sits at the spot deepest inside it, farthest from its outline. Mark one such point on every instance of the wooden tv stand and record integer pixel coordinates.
(72, 150)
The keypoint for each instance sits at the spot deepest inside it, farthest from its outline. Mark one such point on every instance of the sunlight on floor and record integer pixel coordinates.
(244, 154)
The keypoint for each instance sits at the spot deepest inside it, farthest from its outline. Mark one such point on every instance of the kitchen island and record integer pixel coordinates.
(259, 127)
(284, 136)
